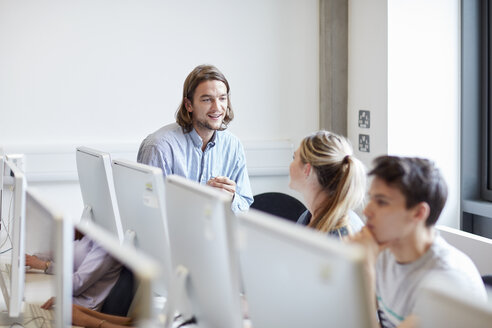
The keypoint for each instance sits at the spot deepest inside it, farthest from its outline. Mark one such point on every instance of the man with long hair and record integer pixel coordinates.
(198, 146)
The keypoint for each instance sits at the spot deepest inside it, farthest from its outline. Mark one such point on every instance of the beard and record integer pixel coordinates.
(204, 124)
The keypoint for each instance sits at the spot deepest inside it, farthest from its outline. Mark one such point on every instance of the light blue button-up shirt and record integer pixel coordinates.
(181, 153)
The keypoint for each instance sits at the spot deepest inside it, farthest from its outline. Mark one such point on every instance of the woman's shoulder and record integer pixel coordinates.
(341, 232)
(304, 218)
(354, 221)
(354, 225)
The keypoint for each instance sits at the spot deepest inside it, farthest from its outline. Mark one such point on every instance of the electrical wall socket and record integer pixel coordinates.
(364, 119)
(364, 145)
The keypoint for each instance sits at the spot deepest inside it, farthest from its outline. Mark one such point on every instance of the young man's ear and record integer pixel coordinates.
(422, 211)
(187, 104)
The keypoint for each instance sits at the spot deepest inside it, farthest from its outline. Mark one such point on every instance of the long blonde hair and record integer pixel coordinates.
(340, 174)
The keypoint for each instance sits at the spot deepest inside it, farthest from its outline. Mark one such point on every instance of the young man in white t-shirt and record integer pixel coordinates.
(406, 198)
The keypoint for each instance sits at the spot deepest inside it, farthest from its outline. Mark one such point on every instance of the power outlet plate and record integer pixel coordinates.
(364, 119)
(364, 145)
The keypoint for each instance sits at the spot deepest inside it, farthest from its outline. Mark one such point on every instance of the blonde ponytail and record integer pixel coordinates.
(341, 176)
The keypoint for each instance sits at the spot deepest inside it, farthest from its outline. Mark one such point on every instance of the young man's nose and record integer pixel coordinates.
(215, 104)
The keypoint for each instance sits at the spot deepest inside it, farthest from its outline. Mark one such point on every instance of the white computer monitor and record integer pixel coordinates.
(2, 157)
(14, 208)
(140, 195)
(144, 269)
(440, 306)
(96, 185)
(49, 232)
(294, 276)
(201, 232)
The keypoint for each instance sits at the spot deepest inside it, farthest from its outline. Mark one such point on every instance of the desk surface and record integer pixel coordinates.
(38, 288)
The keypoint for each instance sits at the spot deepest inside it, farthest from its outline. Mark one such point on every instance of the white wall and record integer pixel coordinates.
(417, 56)
(424, 88)
(368, 74)
(108, 72)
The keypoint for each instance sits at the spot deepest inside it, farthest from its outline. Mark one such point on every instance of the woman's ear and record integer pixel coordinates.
(307, 169)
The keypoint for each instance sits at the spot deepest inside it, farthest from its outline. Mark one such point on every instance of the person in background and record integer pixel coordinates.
(332, 182)
(95, 272)
(197, 146)
(403, 248)
(92, 319)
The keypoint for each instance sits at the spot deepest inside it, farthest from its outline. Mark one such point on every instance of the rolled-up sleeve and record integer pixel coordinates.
(243, 197)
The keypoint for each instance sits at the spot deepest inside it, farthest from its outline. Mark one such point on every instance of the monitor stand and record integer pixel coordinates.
(176, 295)
(86, 214)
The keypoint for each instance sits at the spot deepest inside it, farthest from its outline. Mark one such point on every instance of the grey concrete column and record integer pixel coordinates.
(333, 65)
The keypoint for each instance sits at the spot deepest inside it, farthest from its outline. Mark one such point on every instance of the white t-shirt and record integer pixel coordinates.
(398, 285)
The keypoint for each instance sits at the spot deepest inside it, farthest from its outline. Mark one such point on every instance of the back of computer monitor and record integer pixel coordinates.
(140, 194)
(96, 185)
(296, 277)
(144, 269)
(15, 205)
(48, 232)
(201, 232)
(2, 157)
(440, 306)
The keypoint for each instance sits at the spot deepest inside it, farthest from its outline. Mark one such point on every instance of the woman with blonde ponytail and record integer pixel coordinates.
(332, 182)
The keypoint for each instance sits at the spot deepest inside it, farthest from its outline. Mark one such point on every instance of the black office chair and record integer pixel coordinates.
(121, 295)
(487, 281)
(279, 204)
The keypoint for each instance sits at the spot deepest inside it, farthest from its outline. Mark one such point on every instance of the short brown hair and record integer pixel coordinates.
(200, 74)
(418, 179)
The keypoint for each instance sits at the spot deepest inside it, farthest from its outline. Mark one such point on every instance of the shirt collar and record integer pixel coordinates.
(212, 140)
(197, 140)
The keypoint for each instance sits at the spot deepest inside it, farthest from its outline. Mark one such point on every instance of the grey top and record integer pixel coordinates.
(355, 223)
(398, 285)
(176, 152)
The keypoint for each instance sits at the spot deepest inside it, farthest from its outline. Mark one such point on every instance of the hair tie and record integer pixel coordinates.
(346, 159)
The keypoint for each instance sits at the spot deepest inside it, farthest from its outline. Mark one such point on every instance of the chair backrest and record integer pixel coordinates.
(279, 204)
(121, 295)
(487, 280)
